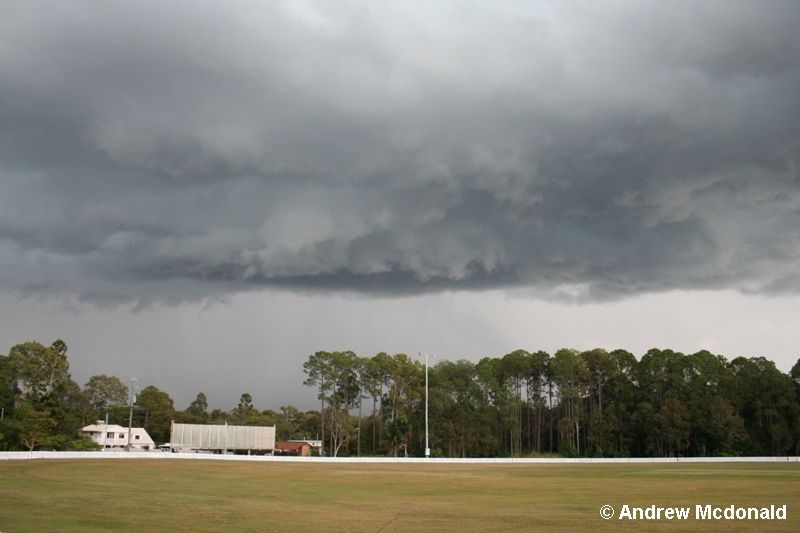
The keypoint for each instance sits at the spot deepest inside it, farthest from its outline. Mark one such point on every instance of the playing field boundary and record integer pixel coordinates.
(21, 456)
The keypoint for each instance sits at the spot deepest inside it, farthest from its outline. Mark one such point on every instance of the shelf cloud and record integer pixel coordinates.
(584, 151)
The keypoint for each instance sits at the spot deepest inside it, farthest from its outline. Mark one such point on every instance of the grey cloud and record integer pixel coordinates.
(192, 150)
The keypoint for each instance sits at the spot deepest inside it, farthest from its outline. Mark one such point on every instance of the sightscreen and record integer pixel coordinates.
(224, 437)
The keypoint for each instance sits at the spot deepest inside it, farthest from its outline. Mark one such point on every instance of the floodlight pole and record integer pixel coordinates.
(130, 416)
(427, 446)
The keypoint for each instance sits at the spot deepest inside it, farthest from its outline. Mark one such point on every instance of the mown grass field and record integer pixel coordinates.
(184, 495)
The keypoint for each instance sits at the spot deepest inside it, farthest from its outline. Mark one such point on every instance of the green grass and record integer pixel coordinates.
(183, 495)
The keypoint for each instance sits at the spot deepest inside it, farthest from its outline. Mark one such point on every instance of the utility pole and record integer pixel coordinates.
(130, 416)
(427, 447)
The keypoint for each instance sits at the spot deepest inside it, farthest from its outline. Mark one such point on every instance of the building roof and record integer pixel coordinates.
(94, 428)
(290, 446)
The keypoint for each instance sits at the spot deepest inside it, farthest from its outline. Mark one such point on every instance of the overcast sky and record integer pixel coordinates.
(201, 194)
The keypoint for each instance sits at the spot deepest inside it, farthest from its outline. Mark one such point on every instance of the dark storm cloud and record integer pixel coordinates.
(192, 149)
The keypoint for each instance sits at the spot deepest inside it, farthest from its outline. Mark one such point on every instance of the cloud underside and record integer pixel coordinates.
(196, 150)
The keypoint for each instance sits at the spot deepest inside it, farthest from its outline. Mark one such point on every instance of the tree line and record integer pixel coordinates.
(593, 403)
(42, 407)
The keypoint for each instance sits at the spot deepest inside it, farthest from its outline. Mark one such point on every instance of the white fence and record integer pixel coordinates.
(228, 457)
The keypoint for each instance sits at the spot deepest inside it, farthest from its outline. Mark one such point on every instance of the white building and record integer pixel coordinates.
(112, 436)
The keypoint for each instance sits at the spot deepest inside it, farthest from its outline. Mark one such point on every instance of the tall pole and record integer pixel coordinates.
(427, 445)
(322, 416)
(130, 416)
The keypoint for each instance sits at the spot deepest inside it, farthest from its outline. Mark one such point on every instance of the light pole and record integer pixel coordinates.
(427, 446)
(130, 416)
(105, 434)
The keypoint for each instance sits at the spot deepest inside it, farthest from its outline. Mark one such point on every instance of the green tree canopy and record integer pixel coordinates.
(199, 407)
(36, 370)
(106, 391)
(156, 411)
(32, 427)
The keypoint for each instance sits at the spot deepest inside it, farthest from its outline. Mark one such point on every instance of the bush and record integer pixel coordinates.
(84, 444)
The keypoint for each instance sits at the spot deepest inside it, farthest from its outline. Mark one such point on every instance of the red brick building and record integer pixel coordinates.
(301, 449)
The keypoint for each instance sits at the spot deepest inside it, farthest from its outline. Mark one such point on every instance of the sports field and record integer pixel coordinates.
(184, 495)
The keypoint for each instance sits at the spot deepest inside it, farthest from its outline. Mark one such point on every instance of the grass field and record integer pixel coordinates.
(183, 495)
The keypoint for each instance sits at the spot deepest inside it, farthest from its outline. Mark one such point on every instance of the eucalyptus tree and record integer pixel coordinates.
(69, 406)
(660, 374)
(319, 369)
(245, 413)
(621, 399)
(380, 378)
(496, 401)
(611, 398)
(514, 371)
(570, 374)
(336, 374)
(343, 398)
(536, 383)
(156, 411)
(403, 401)
(6, 395)
(600, 366)
(39, 376)
(37, 370)
(461, 406)
(105, 391)
(673, 427)
(7, 385)
(365, 371)
(723, 428)
(708, 389)
(199, 408)
(502, 381)
(372, 380)
(766, 398)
